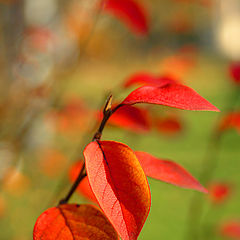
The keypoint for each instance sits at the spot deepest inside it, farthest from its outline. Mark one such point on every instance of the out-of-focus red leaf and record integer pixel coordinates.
(180, 23)
(131, 118)
(231, 229)
(168, 171)
(41, 39)
(172, 95)
(168, 125)
(120, 186)
(148, 79)
(2, 206)
(84, 186)
(231, 120)
(71, 221)
(52, 162)
(219, 192)
(234, 70)
(78, 21)
(130, 12)
(15, 182)
(181, 63)
(72, 118)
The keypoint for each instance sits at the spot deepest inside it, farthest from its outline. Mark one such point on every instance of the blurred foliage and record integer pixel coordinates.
(60, 59)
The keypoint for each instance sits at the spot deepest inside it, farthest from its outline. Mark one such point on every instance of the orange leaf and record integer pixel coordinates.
(2, 206)
(168, 171)
(84, 186)
(120, 186)
(130, 12)
(71, 221)
(52, 162)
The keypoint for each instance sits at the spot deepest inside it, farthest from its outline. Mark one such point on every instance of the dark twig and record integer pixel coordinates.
(107, 113)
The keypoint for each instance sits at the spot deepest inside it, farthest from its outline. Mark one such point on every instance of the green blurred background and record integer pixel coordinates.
(59, 55)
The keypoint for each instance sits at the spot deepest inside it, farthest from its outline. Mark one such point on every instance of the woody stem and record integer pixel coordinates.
(107, 113)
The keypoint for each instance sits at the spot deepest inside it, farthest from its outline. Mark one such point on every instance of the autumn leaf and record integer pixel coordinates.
(51, 162)
(167, 171)
(131, 118)
(234, 70)
(120, 186)
(148, 79)
(72, 118)
(39, 38)
(219, 192)
(180, 23)
(71, 221)
(231, 229)
(130, 12)
(172, 95)
(230, 121)
(181, 62)
(15, 182)
(2, 206)
(168, 125)
(84, 186)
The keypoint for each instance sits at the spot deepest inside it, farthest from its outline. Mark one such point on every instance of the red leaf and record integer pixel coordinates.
(73, 117)
(231, 229)
(219, 192)
(130, 12)
(120, 186)
(131, 118)
(231, 120)
(172, 95)
(234, 70)
(71, 221)
(148, 79)
(167, 171)
(169, 125)
(41, 39)
(84, 186)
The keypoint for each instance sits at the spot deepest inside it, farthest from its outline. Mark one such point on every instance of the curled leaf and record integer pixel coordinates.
(120, 186)
(172, 95)
(84, 186)
(130, 12)
(168, 171)
(71, 221)
(148, 79)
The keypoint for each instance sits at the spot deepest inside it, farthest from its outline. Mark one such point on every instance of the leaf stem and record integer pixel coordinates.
(80, 177)
(107, 113)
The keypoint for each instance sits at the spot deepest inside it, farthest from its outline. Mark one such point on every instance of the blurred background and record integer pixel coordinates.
(60, 59)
